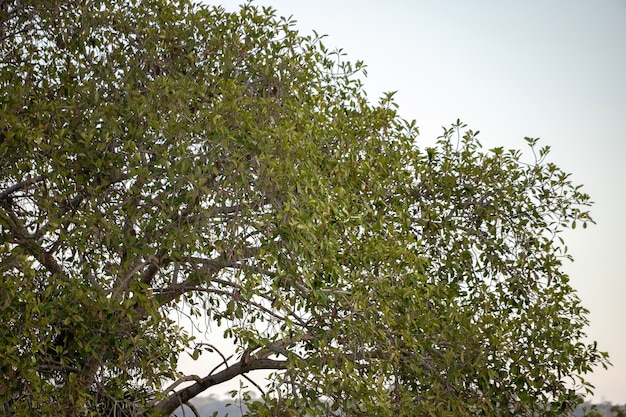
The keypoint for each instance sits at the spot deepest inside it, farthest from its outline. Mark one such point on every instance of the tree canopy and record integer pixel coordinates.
(161, 156)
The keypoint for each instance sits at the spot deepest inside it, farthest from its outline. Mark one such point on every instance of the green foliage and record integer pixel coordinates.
(161, 156)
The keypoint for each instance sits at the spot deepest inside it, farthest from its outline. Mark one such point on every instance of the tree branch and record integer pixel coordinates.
(176, 399)
(206, 266)
(29, 243)
(186, 378)
(193, 409)
(20, 185)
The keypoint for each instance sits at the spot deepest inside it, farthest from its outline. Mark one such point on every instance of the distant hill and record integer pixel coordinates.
(212, 405)
(605, 409)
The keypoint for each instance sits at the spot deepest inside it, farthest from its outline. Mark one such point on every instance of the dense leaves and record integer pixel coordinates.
(161, 156)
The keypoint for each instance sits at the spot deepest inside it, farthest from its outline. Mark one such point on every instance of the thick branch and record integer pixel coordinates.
(29, 243)
(18, 186)
(170, 404)
(208, 267)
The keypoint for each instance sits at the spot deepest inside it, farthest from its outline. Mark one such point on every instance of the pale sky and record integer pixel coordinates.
(550, 69)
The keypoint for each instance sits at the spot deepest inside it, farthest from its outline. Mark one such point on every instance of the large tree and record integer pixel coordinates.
(160, 157)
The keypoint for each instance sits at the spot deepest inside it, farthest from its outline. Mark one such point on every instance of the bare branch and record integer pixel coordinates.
(279, 347)
(20, 185)
(154, 264)
(62, 368)
(174, 400)
(219, 352)
(193, 409)
(250, 380)
(186, 378)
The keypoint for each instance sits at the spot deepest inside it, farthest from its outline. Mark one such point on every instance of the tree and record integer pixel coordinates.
(618, 410)
(162, 156)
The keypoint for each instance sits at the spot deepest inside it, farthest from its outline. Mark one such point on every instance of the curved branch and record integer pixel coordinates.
(186, 378)
(19, 186)
(168, 405)
(28, 242)
(193, 409)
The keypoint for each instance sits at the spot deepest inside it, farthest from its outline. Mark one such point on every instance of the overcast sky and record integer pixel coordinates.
(550, 69)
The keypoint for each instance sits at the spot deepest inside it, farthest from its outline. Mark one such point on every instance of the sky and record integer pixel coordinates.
(549, 69)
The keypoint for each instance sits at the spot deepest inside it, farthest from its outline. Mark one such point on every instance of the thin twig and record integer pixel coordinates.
(193, 409)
